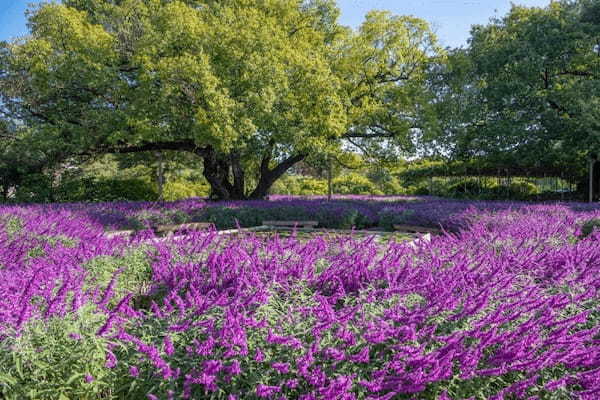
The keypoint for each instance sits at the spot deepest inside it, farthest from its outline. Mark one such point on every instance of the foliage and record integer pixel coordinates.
(35, 188)
(390, 216)
(385, 181)
(345, 183)
(105, 189)
(52, 359)
(251, 88)
(184, 189)
(505, 308)
(354, 183)
(517, 190)
(522, 94)
(328, 215)
(299, 185)
(589, 227)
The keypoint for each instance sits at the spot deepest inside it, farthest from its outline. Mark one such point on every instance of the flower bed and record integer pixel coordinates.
(507, 307)
(343, 212)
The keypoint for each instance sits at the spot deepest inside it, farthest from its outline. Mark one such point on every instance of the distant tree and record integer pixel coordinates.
(252, 88)
(525, 90)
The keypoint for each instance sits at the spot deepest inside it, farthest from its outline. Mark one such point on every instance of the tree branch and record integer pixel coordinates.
(183, 145)
(360, 147)
(555, 106)
(373, 135)
(287, 164)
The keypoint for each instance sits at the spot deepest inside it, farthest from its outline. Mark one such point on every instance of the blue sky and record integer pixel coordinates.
(451, 19)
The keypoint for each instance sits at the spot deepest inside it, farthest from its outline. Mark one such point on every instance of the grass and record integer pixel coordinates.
(305, 235)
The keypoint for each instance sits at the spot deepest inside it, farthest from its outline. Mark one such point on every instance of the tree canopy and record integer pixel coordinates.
(524, 93)
(251, 87)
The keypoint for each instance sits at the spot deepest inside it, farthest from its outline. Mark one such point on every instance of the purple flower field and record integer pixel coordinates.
(504, 305)
(346, 211)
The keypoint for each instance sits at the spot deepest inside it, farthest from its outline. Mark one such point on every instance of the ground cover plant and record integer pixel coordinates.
(503, 307)
(344, 212)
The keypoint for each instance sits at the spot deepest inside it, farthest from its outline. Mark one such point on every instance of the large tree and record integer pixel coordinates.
(524, 93)
(251, 87)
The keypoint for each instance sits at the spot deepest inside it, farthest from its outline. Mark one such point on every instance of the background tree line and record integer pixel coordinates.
(226, 98)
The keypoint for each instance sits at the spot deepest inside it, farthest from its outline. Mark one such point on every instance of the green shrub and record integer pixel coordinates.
(420, 190)
(466, 189)
(178, 216)
(135, 272)
(184, 189)
(354, 183)
(518, 190)
(106, 189)
(228, 218)
(388, 217)
(299, 185)
(590, 226)
(352, 219)
(472, 189)
(309, 186)
(35, 188)
(51, 359)
(523, 189)
(384, 181)
(391, 187)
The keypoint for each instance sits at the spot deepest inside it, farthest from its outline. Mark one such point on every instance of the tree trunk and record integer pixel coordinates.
(160, 175)
(329, 179)
(239, 181)
(216, 172)
(269, 176)
(596, 185)
(219, 168)
(583, 185)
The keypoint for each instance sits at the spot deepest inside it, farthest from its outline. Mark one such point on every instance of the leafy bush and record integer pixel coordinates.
(106, 189)
(523, 190)
(354, 183)
(421, 189)
(299, 185)
(390, 216)
(249, 216)
(352, 219)
(35, 188)
(384, 181)
(229, 218)
(132, 271)
(515, 191)
(472, 189)
(466, 189)
(391, 187)
(589, 227)
(184, 189)
(59, 358)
